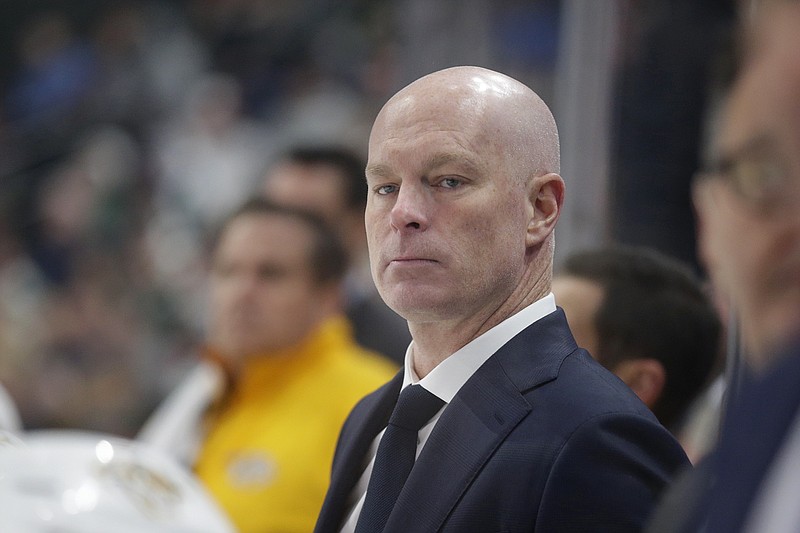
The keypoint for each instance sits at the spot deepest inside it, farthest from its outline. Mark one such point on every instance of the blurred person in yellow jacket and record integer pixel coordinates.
(258, 418)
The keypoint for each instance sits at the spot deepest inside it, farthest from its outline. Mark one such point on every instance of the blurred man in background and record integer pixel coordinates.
(329, 181)
(258, 419)
(749, 238)
(645, 317)
(750, 241)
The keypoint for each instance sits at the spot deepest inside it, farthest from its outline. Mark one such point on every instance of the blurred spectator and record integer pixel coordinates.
(330, 181)
(148, 58)
(259, 417)
(645, 317)
(57, 69)
(209, 158)
(76, 336)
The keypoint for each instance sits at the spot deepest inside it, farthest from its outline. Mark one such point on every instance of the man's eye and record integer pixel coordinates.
(450, 183)
(386, 189)
(272, 272)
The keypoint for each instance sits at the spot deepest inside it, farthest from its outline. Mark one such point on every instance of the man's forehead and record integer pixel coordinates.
(267, 225)
(763, 106)
(765, 102)
(443, 138)
(454, 107)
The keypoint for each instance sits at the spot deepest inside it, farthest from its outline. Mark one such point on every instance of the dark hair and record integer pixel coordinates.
(653, 307)
(348, 163)
(328, 256)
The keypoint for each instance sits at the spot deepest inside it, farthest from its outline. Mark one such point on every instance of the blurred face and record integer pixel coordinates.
(264, 296)
(580, 299)
(317, 188)
(748, 208)
(446, 217)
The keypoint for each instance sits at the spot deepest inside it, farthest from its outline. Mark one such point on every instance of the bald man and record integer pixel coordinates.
(524, 431)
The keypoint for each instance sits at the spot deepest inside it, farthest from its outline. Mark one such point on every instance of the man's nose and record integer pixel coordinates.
(410, 209)
(243, 286)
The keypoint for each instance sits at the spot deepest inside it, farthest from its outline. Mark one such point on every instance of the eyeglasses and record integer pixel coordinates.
(756, 174)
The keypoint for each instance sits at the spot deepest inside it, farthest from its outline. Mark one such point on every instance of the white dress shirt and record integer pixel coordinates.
(445, 381)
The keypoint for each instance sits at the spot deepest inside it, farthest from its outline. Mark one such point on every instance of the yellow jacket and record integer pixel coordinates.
(270, 443)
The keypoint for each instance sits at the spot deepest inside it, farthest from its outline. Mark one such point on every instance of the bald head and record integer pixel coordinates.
(488, 105)
(464, 197)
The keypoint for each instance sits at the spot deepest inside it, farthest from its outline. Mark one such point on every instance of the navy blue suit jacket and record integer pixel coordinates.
(718, 496)
(540, 438)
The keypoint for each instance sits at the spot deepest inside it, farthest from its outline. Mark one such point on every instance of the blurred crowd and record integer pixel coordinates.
(127, 130)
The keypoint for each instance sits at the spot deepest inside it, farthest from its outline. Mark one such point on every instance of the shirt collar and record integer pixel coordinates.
(450, 375)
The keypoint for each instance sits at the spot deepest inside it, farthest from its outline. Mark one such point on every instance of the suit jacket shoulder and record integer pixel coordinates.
(754, 431)
(541, 437)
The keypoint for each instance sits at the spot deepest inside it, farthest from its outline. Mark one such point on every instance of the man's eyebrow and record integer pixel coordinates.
(379, 170)
(435, 161)
(441, 159)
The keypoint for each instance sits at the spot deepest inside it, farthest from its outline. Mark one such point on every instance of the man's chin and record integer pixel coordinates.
(419, 307)
(234, 352)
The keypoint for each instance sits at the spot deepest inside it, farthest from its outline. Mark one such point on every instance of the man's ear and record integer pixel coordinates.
(646, 377)
(546, 195)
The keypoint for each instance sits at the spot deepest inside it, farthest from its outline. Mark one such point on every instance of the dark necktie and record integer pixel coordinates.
(395, 457)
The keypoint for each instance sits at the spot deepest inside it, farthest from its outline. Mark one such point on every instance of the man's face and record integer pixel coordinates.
(750, 212)
(263, 294)
(446, 219)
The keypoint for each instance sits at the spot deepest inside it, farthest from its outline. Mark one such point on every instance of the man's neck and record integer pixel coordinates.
(435, 341)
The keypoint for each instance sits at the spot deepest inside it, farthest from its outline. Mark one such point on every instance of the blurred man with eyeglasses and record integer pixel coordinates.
(748, 205)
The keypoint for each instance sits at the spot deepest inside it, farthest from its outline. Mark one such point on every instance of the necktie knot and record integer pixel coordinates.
(415, 407)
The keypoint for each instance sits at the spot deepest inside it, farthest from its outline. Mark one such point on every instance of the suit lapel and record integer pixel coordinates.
(469, 431)
(480, 417)
(367, 420)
